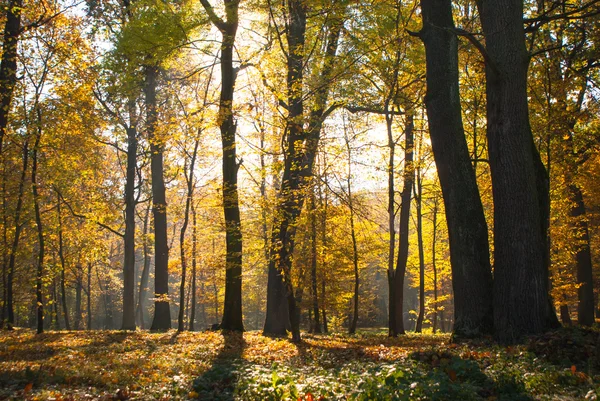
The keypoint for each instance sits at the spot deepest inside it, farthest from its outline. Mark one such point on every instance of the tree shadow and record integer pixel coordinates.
(218, 383)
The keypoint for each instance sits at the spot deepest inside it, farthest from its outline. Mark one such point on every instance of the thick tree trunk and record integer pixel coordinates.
(8, 63)
(521, 303)
(128, 322)
(405, 197)
(17, 236)
(162, 312)
(467, 228)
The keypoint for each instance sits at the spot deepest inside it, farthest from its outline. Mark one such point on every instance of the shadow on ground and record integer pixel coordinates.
(218, 383)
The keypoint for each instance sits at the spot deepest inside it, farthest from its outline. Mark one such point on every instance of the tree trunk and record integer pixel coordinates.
(354, 320)
(232, 310)
(301, 149)
(128, 322)
(434, 264)
(186, 217)
(467, 228)
(8, 63)
(162, 312)
(61, 256)
(583, 257)
(17, 236)
(394, 327)
(405, 196)
(521, 303)
(316, 322)
(419, 207)
(194, 262)
(89, 296)
(78, 290)
(40, 231)
(141, 306)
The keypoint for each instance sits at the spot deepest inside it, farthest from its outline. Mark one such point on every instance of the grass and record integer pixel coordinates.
(113, 365)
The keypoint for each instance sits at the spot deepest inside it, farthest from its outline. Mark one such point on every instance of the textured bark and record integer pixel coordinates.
(316, 322)
(8, 63)
(467, 228)
(17, 236)
(521, 303)
(162, 312)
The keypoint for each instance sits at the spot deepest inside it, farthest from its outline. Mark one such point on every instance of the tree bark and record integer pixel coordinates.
(78, 290)
(89, 296)
(316, 322)
(354, 320)
(162, 312)
(434, 264)
(406, 197)
(8, 63)
(467, 228)
(521, 303)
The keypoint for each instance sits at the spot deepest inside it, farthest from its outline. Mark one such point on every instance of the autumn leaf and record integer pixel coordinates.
(28, 388)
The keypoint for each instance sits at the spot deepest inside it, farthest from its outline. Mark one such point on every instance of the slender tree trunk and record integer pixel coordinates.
(394, 326)
(434, 264)
(316, 322)
(354, 320)
(232, 311)
(40, 231)
(405, 196)
(61, 256)
(186, 218)
(324, 202)
(194, 262)
(17, 236)
(8, 63)
(141, 306)
(54, 320)
(162, 312)
(78, 290)
(467, 228)
(128, 322)
(521, 304)
(89, 296)
(419, 207)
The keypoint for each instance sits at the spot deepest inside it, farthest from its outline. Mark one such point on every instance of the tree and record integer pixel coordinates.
(467, 227)
(232, 312)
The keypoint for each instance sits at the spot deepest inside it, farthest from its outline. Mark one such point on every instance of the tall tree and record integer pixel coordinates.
(521, 303)
(467, 227)
(232, 312)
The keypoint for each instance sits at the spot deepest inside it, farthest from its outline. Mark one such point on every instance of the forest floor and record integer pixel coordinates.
(114, 365)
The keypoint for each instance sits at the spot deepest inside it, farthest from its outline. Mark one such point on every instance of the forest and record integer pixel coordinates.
(249, 192)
